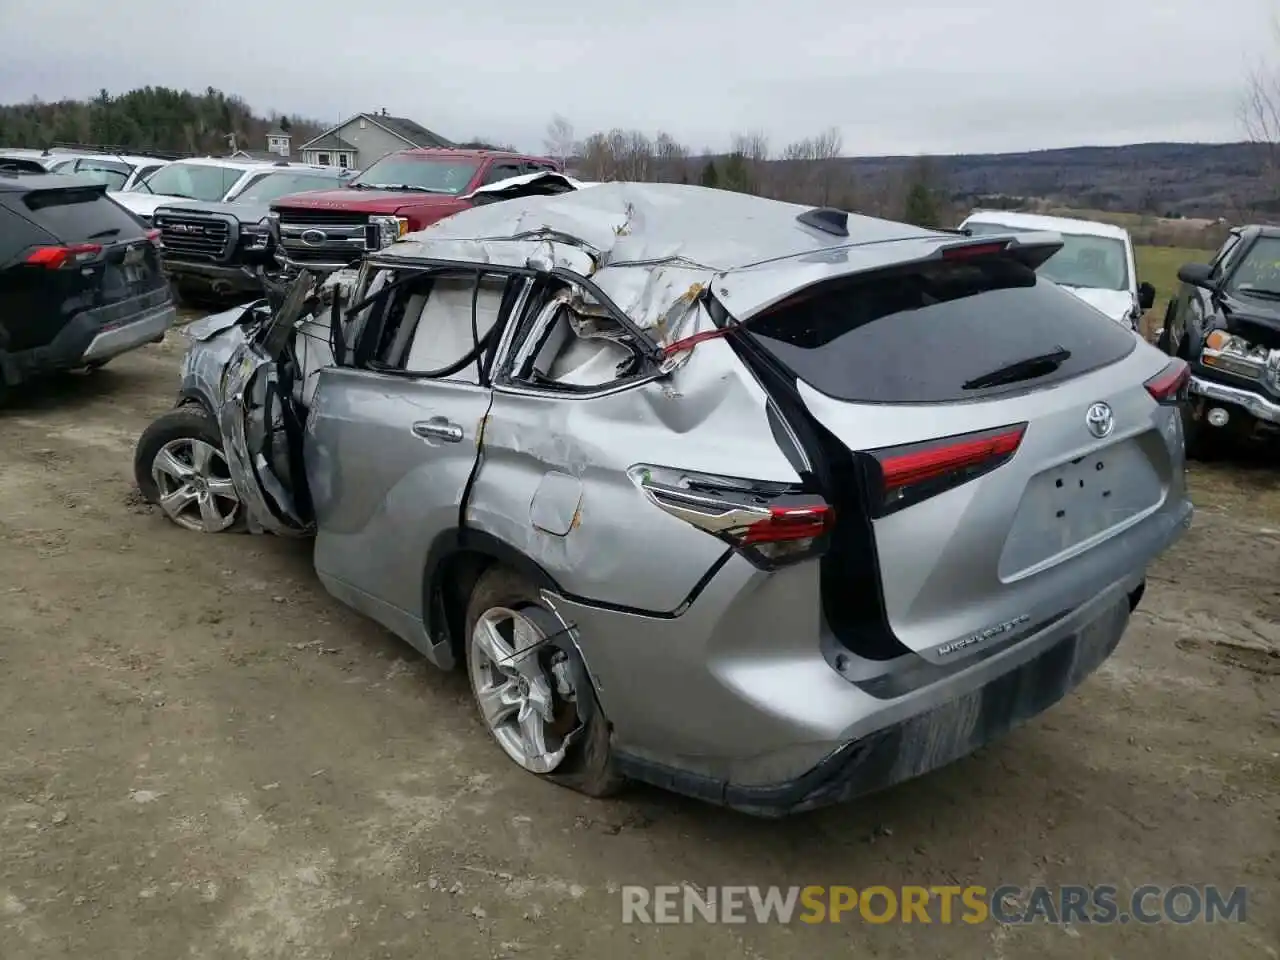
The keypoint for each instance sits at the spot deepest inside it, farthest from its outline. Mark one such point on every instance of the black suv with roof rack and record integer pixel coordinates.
(80, 278)
(220, 249)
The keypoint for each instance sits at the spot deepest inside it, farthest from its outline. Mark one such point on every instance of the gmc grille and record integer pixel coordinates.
(193, 236)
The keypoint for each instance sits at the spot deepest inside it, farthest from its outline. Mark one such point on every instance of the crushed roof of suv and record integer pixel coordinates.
(638, 223)
(653, 248)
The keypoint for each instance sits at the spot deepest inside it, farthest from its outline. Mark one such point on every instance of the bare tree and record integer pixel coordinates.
(670, 157)
(753, 148)
(753, 145)
(598, 161)
(559, 142)
(812, 172)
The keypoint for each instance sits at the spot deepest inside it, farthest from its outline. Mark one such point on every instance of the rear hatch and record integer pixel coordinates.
(93, 256)
(990, 442)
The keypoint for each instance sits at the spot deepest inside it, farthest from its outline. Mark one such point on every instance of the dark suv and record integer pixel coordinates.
(1225, 322)
(80, 278)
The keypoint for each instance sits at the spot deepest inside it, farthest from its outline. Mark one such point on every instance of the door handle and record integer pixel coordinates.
(438, 428)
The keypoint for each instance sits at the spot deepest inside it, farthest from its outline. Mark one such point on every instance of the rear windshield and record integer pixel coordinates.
(114, 175)
(919, 335)
(74, 215)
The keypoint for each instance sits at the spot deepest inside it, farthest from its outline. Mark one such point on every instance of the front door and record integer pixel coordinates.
(388, 462)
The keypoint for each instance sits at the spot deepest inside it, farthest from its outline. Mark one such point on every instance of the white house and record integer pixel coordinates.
(278, 142)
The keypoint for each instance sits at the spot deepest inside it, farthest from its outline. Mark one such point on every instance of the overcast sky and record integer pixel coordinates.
(902, 76)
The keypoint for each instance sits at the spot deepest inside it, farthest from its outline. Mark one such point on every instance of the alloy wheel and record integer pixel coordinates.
(196, 490)
(523, 688)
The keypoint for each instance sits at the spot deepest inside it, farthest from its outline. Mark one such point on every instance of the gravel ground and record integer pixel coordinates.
(205, 756)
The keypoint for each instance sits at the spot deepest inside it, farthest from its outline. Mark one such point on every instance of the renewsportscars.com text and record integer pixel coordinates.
(1067, 904)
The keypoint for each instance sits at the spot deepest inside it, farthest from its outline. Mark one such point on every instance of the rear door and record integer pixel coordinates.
(393, 439)
(975, 492)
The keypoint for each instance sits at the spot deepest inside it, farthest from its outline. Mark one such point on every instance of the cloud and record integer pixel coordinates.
(915, 76)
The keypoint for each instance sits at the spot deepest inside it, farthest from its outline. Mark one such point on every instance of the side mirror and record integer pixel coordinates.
(1146, 295)
(1197, 274)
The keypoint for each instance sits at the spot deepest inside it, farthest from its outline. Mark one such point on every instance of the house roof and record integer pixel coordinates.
(255, 155)
(411, 132)
(328, 141)
(278, 132)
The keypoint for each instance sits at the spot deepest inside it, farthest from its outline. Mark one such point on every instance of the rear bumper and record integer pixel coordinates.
(924, 741)
(225, 278)
(94, 337)
(733, 700)
(1253, 403)
(146, 328)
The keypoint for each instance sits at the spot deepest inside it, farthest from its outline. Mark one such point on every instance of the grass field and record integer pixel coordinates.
(1159, 266)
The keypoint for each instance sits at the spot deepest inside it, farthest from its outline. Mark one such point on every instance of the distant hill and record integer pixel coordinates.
(1182, 179)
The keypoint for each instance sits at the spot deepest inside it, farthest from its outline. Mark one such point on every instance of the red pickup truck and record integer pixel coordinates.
(401, 193)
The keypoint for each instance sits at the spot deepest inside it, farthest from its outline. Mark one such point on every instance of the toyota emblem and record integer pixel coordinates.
(1100, 420)
(313, 238)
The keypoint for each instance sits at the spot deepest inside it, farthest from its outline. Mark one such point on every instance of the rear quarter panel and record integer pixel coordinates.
(549, 456)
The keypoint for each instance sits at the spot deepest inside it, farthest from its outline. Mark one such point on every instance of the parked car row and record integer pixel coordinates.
(217, 226)
(666, 470)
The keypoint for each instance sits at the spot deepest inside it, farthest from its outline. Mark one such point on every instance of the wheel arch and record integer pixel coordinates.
(455, 561)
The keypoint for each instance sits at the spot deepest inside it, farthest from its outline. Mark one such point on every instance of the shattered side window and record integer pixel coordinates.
(574, 345)
(436, 324)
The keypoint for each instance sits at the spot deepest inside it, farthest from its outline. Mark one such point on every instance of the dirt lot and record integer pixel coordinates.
(205, 756)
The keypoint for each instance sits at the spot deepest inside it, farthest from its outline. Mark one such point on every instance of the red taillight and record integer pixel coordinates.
(1169, 385)
(789, 524)
(919, 471)
(965, 250)
(770, 524)
(52, 258)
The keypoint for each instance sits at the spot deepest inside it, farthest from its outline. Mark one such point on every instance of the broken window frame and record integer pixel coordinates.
(529, 333)
(357, 354)
(496, 371)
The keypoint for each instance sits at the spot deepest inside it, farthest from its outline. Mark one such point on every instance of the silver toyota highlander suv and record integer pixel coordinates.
(768, 505)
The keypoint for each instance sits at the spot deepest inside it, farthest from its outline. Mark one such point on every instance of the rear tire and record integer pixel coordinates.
(576, 753)
(179, 465)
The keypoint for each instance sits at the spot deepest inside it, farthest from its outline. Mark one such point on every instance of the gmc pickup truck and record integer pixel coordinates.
(214, 249)
(401, 193)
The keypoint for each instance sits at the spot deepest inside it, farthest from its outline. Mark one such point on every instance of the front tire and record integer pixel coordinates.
(180, 466)
(539, 706)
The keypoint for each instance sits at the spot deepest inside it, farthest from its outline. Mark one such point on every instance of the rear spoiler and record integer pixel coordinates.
(1028, 249)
